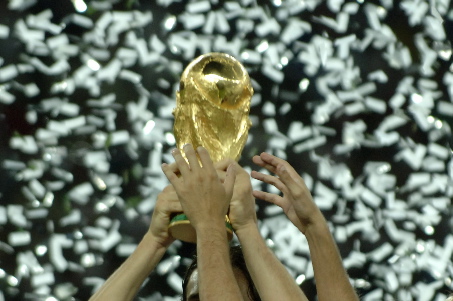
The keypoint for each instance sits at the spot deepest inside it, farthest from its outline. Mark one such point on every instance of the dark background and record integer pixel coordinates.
(140, 182)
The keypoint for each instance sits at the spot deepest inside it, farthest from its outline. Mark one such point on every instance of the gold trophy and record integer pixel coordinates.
(212, 110)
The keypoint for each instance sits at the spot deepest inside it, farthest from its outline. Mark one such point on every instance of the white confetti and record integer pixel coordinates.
(56, 245)
(21, 238)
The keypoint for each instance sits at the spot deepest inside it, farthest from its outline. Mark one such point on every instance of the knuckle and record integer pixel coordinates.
(176, 208)
(172, 177)
(298, 193)
(198, 178)
(212, 176)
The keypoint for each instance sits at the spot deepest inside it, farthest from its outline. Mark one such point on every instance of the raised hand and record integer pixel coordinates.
(166, 204)
(296, 202)
(205, 201)
(242, 204)
(203, 197)
(331, 279)
(270, 277)
(125, 282)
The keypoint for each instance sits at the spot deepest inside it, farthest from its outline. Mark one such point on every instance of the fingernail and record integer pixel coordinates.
(199, 148)
(186, 145)
(174, 151)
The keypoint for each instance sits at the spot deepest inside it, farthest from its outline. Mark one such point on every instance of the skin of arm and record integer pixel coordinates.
(332, 282)
(205, 201)
(125, 282)
(270, 277)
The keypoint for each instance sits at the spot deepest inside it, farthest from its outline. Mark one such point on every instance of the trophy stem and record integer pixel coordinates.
(180, 228)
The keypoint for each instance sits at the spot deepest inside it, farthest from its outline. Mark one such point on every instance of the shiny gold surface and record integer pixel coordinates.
(212, 110)
(212, 106)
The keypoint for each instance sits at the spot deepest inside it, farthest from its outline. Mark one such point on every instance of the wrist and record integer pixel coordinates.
(208, 223)
(317, 229)
(210, 227)
(246, 230)
(215, 231)
(154, 242)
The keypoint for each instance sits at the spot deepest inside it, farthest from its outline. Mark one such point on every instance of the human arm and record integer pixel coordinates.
(332, 281)
(125, 282)
(205, 201)
(271, 279)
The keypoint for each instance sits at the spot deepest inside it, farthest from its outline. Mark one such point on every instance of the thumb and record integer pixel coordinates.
(229, 180)
(223, 164)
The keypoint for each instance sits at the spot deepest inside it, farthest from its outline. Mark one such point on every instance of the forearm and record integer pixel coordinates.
(332, 281)
(125, 282)
(216, 278)
(270, 277)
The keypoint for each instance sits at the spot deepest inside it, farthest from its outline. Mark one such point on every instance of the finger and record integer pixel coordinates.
(276, 182)
(295, 184)
(277, 163)
(273, 163)
(221, 174)
(229, 180)
(168, 188)
(271, 159)
(206, 160)
(174, 167)
(259, 161)
(191, 156)
(169, 195)
(269, 197)
(168, 202)
(172, 203)
(171, 176)
(180, 162)
(223, 164)
(241, 171)
(174, 207)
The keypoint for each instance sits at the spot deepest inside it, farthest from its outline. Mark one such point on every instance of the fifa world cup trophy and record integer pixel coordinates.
(212, 110)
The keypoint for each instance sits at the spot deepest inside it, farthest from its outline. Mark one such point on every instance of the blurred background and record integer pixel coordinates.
(356, 95)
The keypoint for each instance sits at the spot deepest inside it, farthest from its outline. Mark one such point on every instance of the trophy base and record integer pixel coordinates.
(180, 228)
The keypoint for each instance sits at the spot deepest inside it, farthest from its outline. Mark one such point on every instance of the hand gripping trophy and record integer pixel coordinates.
(212, 110)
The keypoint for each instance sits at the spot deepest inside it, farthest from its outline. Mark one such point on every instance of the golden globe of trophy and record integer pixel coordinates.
(212, 110)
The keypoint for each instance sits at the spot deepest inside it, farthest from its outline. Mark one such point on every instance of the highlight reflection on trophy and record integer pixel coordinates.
(212, 110)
